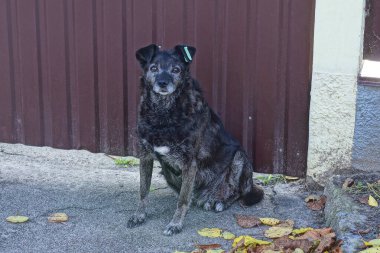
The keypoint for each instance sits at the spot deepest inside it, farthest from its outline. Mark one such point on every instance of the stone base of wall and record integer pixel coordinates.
(332, 122)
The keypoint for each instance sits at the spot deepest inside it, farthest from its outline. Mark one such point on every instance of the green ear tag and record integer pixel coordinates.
(188, 56)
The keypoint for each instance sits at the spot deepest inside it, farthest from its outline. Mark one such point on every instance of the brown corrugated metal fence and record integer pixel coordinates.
(372, 31)
(69, 78)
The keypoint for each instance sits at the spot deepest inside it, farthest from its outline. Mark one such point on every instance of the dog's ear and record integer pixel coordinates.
(145, 55)
(186, 53)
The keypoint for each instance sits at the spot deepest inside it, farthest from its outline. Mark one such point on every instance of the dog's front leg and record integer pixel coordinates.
(146, 169)
(184, 201)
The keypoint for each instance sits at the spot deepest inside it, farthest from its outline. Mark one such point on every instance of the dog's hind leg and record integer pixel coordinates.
(184, 201)
(146, 169)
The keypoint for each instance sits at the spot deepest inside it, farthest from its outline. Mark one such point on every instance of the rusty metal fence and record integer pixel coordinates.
(69, 79)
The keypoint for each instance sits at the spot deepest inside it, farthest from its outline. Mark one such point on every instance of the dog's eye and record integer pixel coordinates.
(154, 68)
(176, 70)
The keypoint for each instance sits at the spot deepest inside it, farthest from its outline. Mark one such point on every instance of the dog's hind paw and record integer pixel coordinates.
(207, 206)
(136, 220)
(219, 207)
(172, 229)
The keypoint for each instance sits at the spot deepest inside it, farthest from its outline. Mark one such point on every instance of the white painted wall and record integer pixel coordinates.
(338, 38)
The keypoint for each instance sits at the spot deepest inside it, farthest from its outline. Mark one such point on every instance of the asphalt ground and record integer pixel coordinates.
(99, 197)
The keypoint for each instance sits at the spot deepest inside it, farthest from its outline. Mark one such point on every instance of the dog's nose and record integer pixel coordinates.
(162, 84)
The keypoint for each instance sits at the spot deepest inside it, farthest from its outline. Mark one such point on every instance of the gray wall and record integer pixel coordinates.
(366, 151)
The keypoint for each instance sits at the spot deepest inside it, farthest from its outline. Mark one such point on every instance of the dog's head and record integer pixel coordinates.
(165, 71)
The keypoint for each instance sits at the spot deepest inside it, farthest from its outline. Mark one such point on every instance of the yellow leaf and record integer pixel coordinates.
(372, 201)
(375, 242)
(215, 251)
(277, 232)
(298, 250)
(17, 219)
(58, 217)
(291, 178)
(371, 250)
(269, 221)
(249, 240)
(301, 231)
(210, 232)
(228, 235)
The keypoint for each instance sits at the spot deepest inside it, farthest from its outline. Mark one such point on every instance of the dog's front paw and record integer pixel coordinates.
(173, 228)
(136, 220)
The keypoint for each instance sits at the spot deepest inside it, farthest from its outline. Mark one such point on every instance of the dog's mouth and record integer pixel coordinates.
(164, 91)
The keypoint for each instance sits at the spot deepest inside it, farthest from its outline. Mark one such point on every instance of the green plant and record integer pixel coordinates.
(127, 161)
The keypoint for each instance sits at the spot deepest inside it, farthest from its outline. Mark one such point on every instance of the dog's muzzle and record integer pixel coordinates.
(163, 87)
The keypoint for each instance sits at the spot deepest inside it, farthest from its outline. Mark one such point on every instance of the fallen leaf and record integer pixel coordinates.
(58, 217)
(337, 247)
(348, 183)
(247, 221)
(372, 201)
(288, 244)
(291, 178)
(312, 198)
(210, 232)
(247, 240)
(326, 243)
(17, 219)
(298, 250)
(363, 232)
(318, 204)
(269, 221)
(277, 232)
(301, 231)
(371, 250)
(286, 223)
(215, 251)
(208, 246)
(315, 234)
(364, 199)
(375, 242)
(228, 235)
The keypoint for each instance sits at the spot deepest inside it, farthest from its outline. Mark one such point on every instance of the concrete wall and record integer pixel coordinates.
(366, 151)
(337, 53)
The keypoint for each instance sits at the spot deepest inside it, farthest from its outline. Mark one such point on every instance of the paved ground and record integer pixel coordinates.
(99, 197)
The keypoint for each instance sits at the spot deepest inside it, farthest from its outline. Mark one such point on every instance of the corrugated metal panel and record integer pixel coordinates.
(372, 31)
(69, 78)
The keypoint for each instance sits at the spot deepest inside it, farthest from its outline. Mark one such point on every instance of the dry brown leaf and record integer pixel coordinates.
(348, 183)
(316, 234)
(337, 247)
(284, 243)
(364, 199)
(364, 231)
(247, 221)
(326, 243)
(208, 246)
(318, 204)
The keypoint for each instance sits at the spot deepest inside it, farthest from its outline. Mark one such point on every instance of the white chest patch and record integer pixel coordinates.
(162, 150)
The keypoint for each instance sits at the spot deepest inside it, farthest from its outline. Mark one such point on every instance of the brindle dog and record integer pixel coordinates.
(200, 160)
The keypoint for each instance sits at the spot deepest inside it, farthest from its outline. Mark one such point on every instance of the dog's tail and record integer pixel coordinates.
(255, 195)
(251, 193)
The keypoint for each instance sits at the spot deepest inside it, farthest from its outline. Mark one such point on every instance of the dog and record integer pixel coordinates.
(200, 160)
